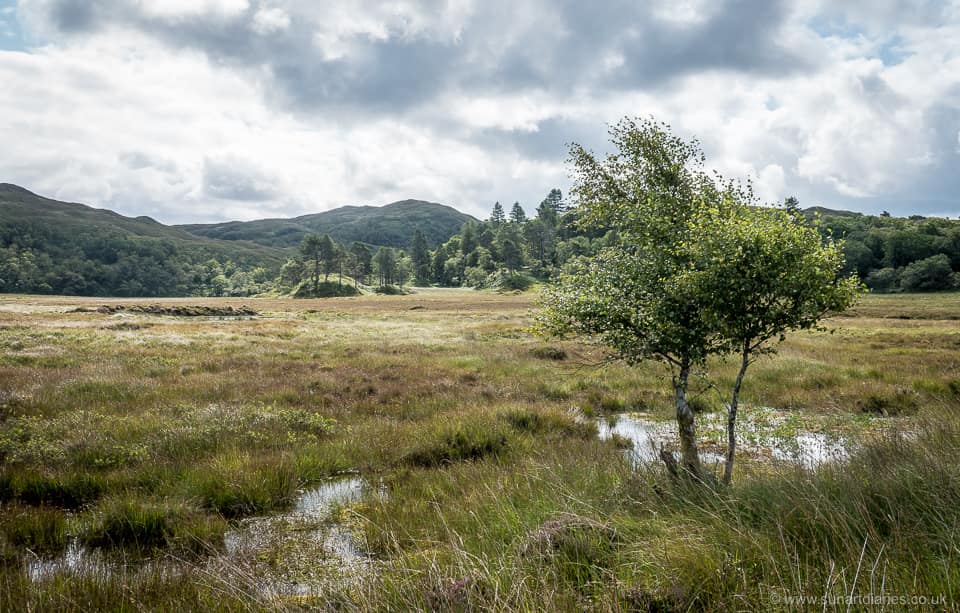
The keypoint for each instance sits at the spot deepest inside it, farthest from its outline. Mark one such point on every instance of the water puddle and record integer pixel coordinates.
(78, 559)
(812, 449)
(757, 437)
(645, 436)
(305, 551)
(294, 554)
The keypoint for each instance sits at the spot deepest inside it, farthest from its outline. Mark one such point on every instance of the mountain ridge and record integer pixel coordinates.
(391, 225)
(54, 247)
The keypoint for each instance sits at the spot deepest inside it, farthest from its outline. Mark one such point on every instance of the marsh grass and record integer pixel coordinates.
(492, 490)
(41, 530)
(146, 525)
(239, 484)
(467, 439)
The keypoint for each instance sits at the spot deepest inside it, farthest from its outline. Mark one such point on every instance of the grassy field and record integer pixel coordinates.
(134, 447)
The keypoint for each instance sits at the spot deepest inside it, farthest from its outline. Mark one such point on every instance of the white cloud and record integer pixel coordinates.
(179, 9)
(270, 21)
(465, 103)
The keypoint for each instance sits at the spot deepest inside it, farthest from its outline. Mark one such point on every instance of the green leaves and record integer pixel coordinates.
(698, 268)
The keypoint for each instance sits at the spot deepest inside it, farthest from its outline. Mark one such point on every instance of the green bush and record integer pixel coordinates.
(509, 281)
(883, 280)
(928, 275)
(325, 289)
(391, 290)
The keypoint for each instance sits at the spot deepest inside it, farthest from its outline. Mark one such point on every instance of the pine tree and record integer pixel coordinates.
(311, 249)
(497, 216)
(362, 260)
(328, 253)
(517, 214)
(554, 200)
(420, 255)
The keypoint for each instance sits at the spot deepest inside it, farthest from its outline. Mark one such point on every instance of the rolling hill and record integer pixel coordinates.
(48, 246)
(53, 247)
(391, 225)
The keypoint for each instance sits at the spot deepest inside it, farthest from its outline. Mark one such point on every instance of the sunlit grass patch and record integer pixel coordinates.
(238, 484)
(466, 439)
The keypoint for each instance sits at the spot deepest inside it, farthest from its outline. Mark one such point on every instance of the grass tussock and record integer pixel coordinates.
(67, 490)
(469, 439)
(41, 530)
(549, 352)
(240, 484)
(540, 421)
(487, 486)
(147, 525)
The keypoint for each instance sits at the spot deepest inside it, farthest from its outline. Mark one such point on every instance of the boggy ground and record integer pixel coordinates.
(144, 439)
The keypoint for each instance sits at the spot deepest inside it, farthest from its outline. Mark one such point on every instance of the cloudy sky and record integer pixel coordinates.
(207, 110)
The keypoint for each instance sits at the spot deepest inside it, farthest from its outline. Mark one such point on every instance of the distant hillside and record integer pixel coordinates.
(47, 246)
(894, 254)
(825, 212)
(392, 225)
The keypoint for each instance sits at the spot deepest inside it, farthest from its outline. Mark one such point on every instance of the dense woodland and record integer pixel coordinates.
(893, 254)
(49, 247)
(511, 250)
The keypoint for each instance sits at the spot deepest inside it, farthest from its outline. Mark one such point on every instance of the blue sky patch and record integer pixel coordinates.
(11, 34)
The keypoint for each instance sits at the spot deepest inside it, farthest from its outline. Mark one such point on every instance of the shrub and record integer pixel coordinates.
(509, 281)
(549, 352)
(883, 280)
(325, 289)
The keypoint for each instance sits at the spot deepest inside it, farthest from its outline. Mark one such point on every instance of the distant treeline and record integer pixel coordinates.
(512, 250)
(48, 247)
(891, 254)
(45, 259)
(509, 251)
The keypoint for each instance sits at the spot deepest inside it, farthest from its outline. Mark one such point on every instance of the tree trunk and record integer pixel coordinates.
(732, 414)
(689, 456)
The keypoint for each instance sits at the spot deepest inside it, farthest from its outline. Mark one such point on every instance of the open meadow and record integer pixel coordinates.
(427, 452)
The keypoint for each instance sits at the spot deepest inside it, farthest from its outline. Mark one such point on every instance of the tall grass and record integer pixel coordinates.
(490, 489)
(566, 534)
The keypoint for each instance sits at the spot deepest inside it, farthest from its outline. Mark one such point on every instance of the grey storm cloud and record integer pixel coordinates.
(240, 107)
(402, 69)
(230, 178)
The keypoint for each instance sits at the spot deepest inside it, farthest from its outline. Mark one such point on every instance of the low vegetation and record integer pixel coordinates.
(149, 446)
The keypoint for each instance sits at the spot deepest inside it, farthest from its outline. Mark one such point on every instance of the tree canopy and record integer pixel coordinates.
(697, 268)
